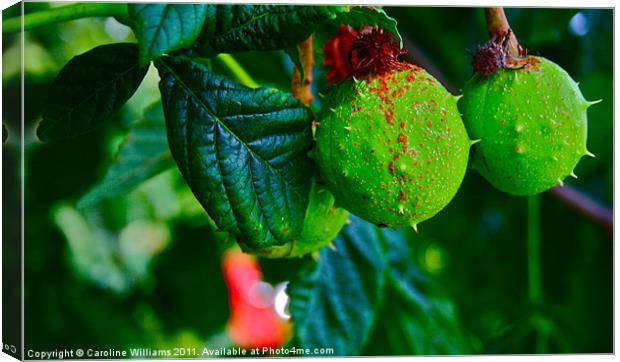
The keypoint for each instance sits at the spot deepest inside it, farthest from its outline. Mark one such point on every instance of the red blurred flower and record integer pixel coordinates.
(253, 321)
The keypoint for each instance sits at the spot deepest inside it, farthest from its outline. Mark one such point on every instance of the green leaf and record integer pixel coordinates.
(162, 28)
(5, 133)
(359, 16)
(334, 301)
(413, 321)
(238, 28)
(417, 325)
(369, 289)
(143, 154)
(242, 151)
(89, 89)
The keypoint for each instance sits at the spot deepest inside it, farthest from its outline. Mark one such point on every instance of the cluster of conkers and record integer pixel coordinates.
(393, 147)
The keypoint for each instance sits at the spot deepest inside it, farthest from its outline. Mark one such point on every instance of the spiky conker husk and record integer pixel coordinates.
(322, 224)
(392, 147)
(531, 123)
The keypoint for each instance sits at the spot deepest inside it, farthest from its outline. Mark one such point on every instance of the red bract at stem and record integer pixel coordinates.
(360, 53)
(374, 51)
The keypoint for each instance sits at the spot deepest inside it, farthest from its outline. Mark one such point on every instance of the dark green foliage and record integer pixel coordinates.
(421, 326)
(333, 301)
(143, 154)
(413, 321)
(161, 28)
(193, 288)
(241, 150)
(238, 28)
(89, 89)
(368, 286)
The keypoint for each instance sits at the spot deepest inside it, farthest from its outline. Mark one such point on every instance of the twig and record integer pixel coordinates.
(303, 92)
(586, 206)
(498, 28)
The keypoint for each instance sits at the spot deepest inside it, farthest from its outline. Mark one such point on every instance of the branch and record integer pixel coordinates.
(65, 13)
(303, 92)
(585, 206)
(498, 27)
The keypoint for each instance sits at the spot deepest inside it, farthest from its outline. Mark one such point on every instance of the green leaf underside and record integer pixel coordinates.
(242, 151)
(420, 326)
(369, 289)
(238, 28)
(359, 16)
(89, 89)
(143, 154)
(333, 303)
(411, 321)
(162, 28)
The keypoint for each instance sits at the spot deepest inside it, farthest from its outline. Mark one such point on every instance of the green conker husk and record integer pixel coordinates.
(392, 147)
(322, 223)
(531, 125)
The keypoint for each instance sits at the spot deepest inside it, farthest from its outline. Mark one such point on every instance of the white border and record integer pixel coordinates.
(520, 3)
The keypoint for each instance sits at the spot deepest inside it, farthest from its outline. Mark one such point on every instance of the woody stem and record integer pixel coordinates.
(303, 91)
(498, 27)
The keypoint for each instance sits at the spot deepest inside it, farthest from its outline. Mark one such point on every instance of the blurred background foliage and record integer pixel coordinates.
(143, 268)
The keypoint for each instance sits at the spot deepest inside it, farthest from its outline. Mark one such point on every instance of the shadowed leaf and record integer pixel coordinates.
(90, 88)
(334, 301)
(143, 154)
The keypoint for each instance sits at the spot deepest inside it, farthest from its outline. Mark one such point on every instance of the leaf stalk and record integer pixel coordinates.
(65, 13)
